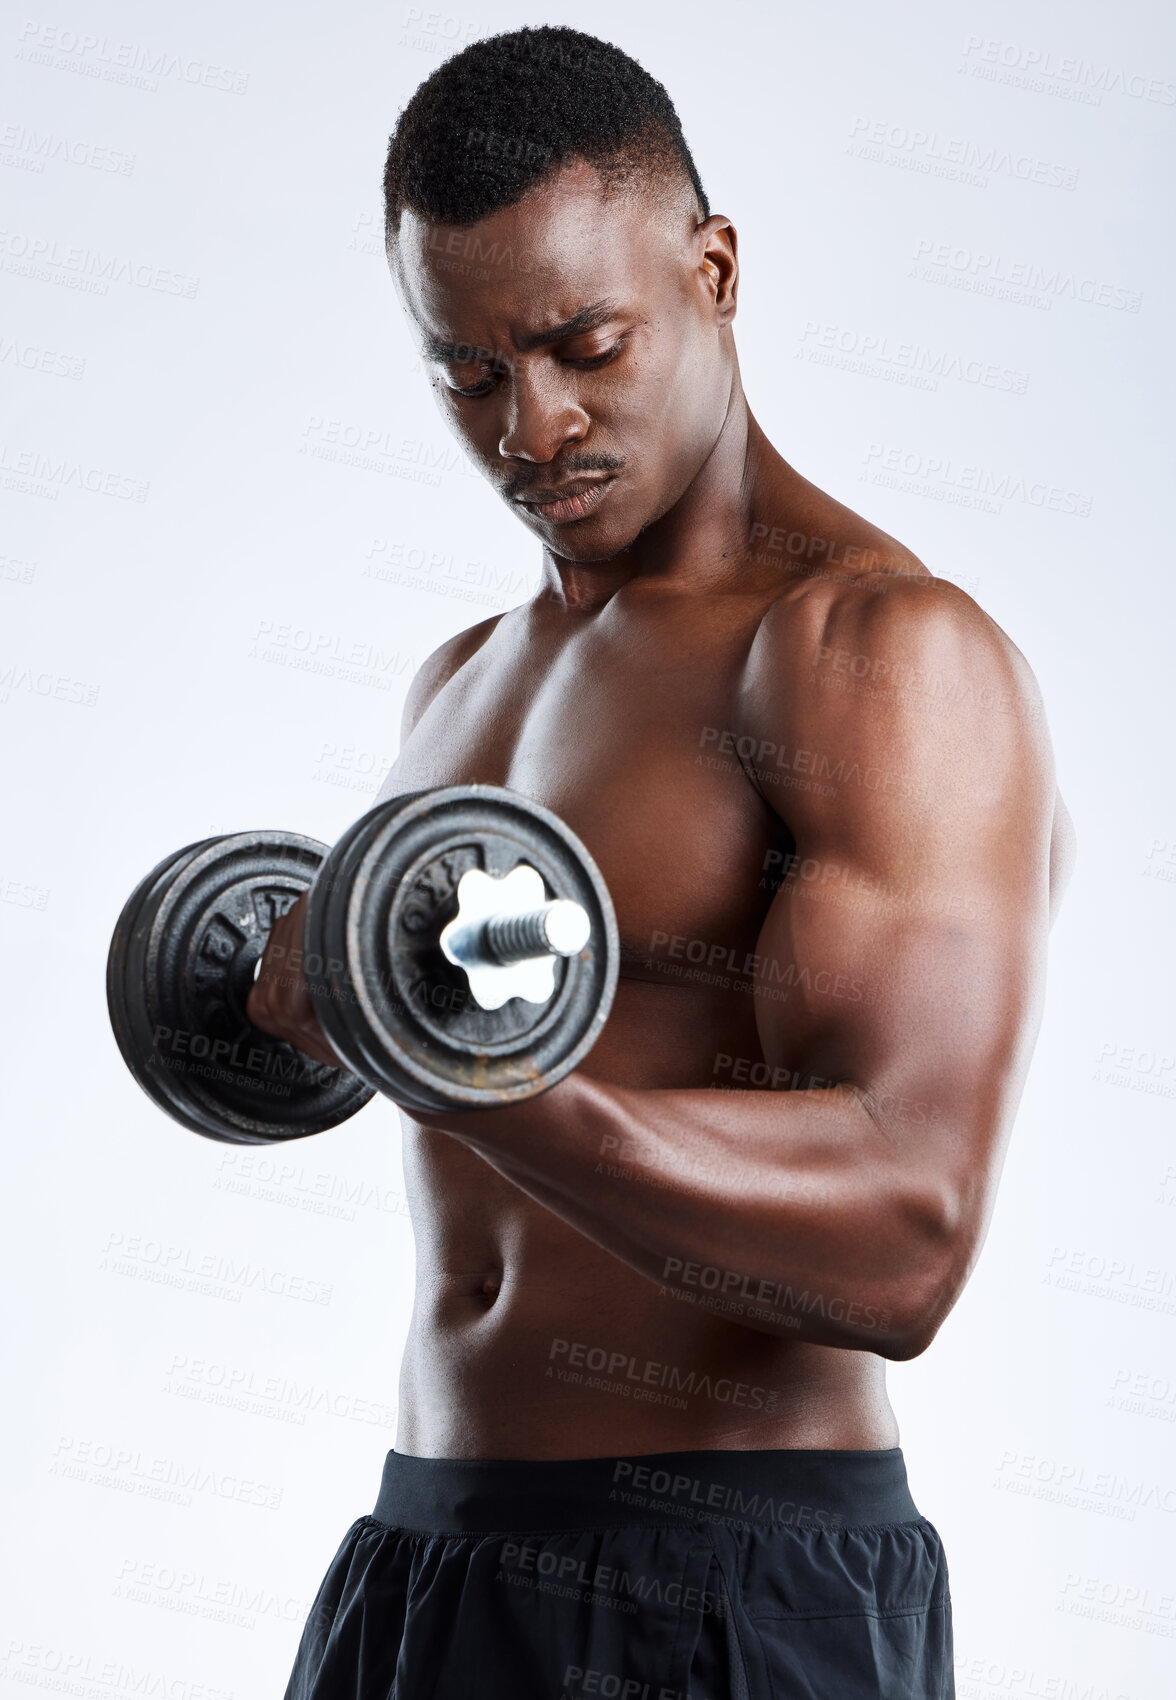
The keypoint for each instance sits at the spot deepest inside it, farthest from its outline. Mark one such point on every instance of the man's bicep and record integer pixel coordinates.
(902, 952)
(909, 984)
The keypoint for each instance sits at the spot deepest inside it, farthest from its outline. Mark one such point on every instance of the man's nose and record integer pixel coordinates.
(542, 415)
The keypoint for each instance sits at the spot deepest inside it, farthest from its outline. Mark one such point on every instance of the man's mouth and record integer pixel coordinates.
(559, 507)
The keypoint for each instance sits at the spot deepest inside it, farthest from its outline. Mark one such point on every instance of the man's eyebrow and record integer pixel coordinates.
(435, 349)
(587, 319)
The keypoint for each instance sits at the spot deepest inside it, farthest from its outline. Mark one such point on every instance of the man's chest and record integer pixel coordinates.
(622, 742)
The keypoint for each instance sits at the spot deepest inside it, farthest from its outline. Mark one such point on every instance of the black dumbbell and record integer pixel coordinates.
(460, 949)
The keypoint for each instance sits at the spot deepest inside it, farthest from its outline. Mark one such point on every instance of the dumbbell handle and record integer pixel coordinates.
(560, 928)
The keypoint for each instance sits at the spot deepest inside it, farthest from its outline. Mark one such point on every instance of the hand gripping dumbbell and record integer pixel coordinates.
(460, 950)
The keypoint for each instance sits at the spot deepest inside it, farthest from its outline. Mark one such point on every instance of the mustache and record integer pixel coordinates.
(552, 476)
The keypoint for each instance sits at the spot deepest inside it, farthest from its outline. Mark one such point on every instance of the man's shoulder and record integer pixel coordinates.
(879, 625)
(892, 660)
(841, 580)
(923, 616)
(457, 650)
(438, 668)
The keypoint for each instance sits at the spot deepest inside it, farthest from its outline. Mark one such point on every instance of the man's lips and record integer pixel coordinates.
(575, 502)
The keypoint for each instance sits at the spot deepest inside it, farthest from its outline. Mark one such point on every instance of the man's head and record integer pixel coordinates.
(553, 245)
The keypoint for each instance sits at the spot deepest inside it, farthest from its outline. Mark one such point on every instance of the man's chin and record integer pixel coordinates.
(586, 541)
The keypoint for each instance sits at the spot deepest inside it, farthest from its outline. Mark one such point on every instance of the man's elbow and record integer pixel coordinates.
(900, 1344)
(938, 1260)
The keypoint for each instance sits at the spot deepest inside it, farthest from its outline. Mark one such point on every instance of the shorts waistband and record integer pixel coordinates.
(821, 1489)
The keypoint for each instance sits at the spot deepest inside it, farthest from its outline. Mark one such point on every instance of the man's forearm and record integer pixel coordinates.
(790, 1211)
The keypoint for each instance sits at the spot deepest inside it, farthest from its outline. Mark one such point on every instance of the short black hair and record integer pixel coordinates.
(511, 109)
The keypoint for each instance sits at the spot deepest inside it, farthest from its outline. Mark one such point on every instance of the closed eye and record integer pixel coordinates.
(584, 363)
(589, 362)
(484, 388)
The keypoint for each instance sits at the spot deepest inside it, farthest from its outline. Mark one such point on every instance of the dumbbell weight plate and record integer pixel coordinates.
(180, 967)
(392, 1005)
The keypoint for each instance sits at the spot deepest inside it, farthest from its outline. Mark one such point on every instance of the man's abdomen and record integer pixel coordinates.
(537, 1362)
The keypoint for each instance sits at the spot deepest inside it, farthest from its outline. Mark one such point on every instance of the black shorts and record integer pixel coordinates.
(787, 1575)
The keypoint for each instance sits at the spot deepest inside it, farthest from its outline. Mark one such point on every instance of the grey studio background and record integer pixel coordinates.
(234, 526)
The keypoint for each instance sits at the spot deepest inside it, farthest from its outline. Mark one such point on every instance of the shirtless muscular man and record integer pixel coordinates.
(645, 1448)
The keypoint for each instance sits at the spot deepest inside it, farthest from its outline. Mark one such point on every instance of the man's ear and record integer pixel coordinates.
(719, 262)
